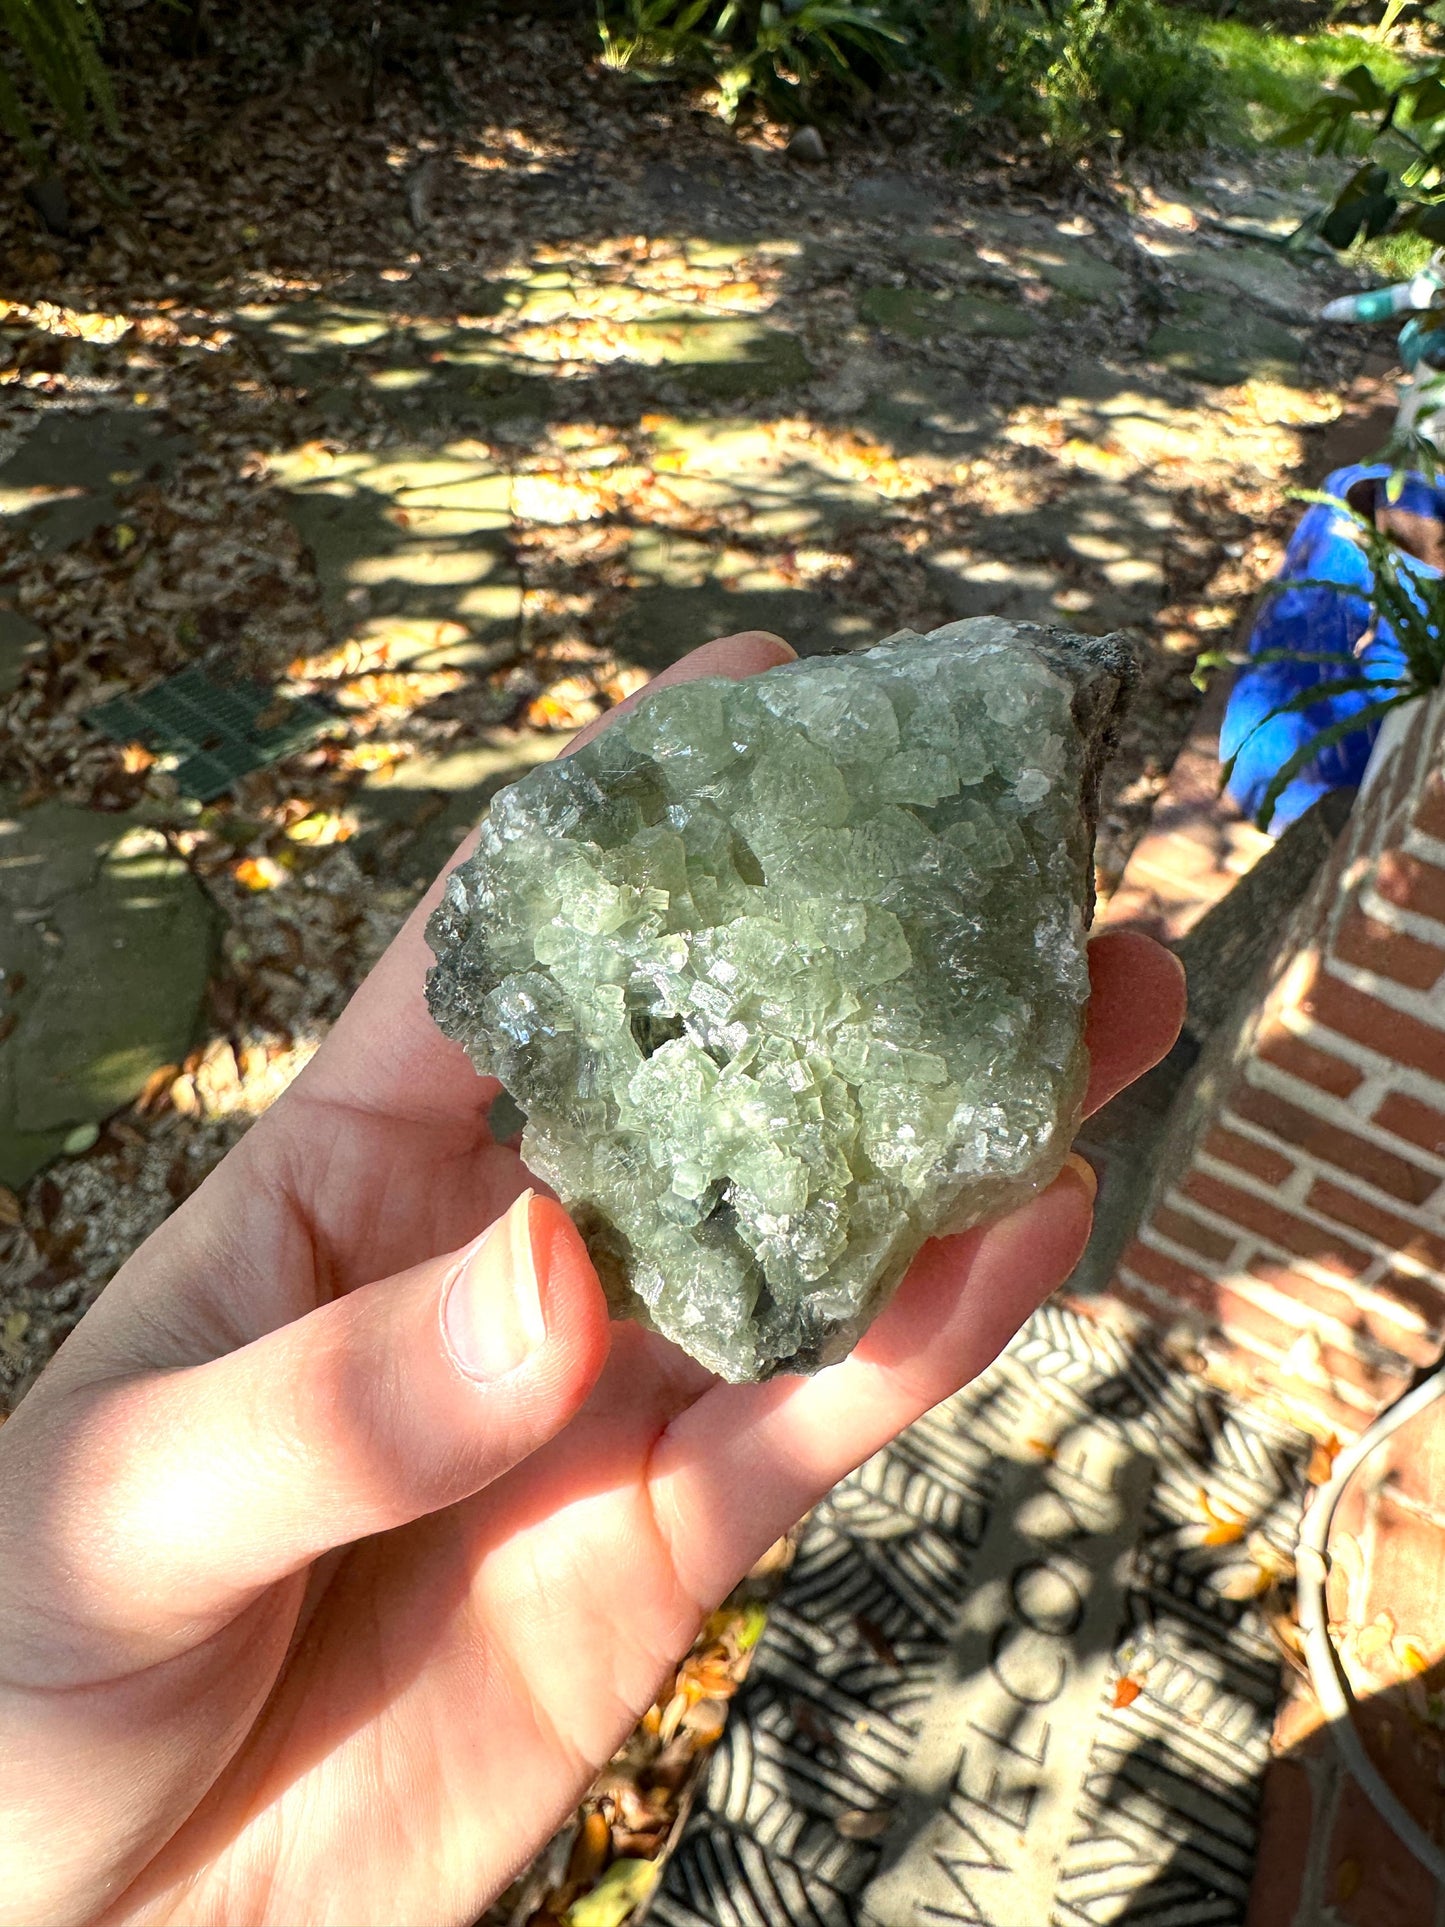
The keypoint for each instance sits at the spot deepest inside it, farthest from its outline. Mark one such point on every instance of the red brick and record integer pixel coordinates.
(1286, 1845)
(1423, 1295)
(1398, 1234)
(1319, 1243)
(1180, 1229)
(1247, 1323)
(1296, 1058)
(1354, 1013)
(1326, 1299)
(1378, 1326)
(1229, 1147)
(1407, 1117)
(1410, 883)
(1157, 1306)
(1370, 945)
(1331, 1144)
(1187, 1287)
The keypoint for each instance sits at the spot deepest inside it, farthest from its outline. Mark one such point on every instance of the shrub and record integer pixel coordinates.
(57, 44)
(1077, 74)
(1399, 124)
(788, 55)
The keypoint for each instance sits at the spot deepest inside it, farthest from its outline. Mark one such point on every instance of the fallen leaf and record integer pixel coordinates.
(589, 1850)
(258, 873)
(620, 1891)
(1348, 1876)
(10, 1212)
(79, 1140)
(1242, 1582)
(1322, 1460)
(1375, 1637)
(1126, 1691)
(1226, 1526)
(863, 1823)
(706, 1721)
(155, 1093)
(672, 1717)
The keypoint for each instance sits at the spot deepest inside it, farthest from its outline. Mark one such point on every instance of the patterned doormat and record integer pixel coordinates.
(1015, 1678)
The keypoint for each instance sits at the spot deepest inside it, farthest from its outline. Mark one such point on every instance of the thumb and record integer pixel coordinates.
(183, 1494)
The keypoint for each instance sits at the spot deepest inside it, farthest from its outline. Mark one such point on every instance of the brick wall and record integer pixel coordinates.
(1297, 1231)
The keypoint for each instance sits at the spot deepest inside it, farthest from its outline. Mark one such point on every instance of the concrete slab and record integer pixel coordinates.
(63, 481)
(105, 947)
(1215, 340)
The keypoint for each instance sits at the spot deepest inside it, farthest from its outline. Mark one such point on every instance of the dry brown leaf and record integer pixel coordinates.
(589, 1850)
(155, 1092)
(863, 1823)
(672, 1717)
(258, 873)
(1226, 1525)
(10, 1212)
(1376, 1637)
(706, 1721)
(1322, 1460)
(1348, 1878)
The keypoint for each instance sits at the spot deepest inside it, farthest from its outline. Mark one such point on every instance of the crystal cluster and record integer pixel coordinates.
(788, 974)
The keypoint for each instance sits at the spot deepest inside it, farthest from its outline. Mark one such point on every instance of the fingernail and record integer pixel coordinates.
(1084, 1172)
(492, 1313)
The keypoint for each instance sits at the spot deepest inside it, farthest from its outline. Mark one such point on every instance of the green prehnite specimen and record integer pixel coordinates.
(788, 974)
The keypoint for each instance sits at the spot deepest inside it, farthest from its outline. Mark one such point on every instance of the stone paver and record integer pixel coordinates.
(920, 313)
(1213, 339)
(63, 481)
(105, 945)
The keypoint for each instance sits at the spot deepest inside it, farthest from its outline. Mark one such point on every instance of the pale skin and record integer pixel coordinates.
(313, 1614)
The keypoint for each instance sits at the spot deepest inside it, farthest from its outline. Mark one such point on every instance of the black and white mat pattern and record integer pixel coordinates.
(930, 1731)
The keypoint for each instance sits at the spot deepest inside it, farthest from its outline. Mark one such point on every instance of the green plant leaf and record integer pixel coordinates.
(1308, 752)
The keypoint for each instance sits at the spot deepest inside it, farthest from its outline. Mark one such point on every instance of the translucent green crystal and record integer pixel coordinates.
(788, 974)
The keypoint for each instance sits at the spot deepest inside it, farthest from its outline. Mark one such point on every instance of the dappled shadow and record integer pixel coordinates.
(1021, 1667)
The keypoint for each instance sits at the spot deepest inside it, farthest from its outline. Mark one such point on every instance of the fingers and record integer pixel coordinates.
(1136, 1007)
(744, 1463)
(186, 1492)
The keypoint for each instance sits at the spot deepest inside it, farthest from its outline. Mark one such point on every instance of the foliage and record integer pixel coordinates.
(57, 43)
(788, 57)
(1403, 599)
(1275, 78)
(1400, 125)
(1078, 74)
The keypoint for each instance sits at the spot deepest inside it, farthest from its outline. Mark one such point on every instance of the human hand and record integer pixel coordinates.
(338, 1550)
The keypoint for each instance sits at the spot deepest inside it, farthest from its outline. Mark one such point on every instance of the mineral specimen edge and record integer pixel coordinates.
(788, 974)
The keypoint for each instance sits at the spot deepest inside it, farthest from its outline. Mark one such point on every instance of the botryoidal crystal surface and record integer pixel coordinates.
(788, 974)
